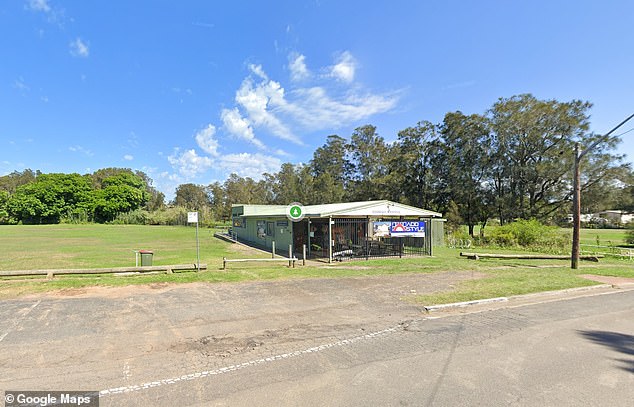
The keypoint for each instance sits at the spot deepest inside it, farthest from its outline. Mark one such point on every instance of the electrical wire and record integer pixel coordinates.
(619, 135)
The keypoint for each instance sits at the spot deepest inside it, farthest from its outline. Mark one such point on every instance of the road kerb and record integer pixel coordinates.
(431, 308)
(518, 298)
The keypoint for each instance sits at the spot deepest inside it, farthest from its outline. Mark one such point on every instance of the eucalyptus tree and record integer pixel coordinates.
(411, 176)
(192, 196)
(368, 158)
(533, 146)
(464, 164)
(331, 170)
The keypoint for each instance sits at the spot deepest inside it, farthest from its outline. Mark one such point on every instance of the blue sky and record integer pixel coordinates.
(191, 91)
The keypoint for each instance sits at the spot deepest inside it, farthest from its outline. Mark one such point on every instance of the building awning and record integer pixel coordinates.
(363, 209)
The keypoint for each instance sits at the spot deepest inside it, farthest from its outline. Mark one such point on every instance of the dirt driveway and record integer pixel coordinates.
(100, 338)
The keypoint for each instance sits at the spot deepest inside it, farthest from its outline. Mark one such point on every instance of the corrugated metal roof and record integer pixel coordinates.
(358, 209)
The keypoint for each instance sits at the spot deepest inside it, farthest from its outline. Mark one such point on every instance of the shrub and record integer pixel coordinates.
(135, 217)
(629, 234)
(529, 234)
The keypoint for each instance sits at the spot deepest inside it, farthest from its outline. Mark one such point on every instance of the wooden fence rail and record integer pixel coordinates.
(476, 256)
(112, 270)
(291, 261)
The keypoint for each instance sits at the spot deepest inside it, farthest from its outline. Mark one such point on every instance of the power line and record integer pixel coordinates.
(619, 135)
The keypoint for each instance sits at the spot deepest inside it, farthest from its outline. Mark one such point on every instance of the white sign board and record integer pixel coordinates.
(192, 217)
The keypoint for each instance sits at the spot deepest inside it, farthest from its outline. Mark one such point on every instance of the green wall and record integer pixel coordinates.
(278, 230)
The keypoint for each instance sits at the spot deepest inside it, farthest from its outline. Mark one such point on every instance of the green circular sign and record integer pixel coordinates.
(295, 211)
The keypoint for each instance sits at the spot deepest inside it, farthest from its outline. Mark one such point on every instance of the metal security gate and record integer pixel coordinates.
(355, 238)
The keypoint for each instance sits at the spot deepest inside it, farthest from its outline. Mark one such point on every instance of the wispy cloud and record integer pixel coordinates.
(54, 15)
(39, 5)
(298, 68)
(258, 99)
(315, 109)
(128, 157)
(79, 48)
(263, 107)
(206, 141)
(81, 150)
(21, 85)
(188, 163)
(249, 165)
(345, 67)
(267, 105)
(239, 127)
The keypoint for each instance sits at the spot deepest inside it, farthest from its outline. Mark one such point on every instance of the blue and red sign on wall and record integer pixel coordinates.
(407, 228)
(401, 228)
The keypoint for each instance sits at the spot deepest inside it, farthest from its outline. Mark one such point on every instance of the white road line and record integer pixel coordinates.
(20, 319)
(233, 368)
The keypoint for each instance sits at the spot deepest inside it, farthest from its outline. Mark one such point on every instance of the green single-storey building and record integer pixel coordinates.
(354, 230)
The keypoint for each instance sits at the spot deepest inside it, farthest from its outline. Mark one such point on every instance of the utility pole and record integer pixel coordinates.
(576, 194)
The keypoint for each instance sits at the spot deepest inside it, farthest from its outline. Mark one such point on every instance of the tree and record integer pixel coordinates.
(192, 197)
(50, 197)
(411, 178)
(4, 199)
(11, 182)
(240, 190)
(368, 162)
(534, 141)
(119, 193)
(464, 165)
(331, 171)
(218, 199)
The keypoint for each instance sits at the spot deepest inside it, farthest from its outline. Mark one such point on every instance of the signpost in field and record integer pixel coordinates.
(192, 217)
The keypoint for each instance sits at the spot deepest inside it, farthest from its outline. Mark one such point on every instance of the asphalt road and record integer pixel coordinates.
(351, 342)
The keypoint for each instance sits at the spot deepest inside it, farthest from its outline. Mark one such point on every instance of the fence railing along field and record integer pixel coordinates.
(608, 251)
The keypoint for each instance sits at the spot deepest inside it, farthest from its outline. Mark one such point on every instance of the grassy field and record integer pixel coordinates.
(605, 237)
(95, 246)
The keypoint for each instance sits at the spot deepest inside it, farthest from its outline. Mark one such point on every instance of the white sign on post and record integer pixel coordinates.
(192, 217)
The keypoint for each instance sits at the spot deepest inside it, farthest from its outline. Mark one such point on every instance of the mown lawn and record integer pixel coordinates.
(95, 246)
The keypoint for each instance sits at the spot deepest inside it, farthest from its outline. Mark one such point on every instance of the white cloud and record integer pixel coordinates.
(259, 99)
(206, 141)
(314, 109)
(263, 104)
(298, 68)
(79, 48)
(21, 85)
(249, 165)
(82, 150)
(189, 164)
(239, 127)
(128, 157)
(257, 69)
(345, 67)
(54, 15)
(39, 5)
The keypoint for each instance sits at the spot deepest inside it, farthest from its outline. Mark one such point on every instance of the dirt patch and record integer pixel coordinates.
(350, 267)
(243, 249)
(112, 292)
(608, 279)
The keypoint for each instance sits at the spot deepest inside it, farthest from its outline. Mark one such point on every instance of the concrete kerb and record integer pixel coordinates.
(431, 308)
(545, 296)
